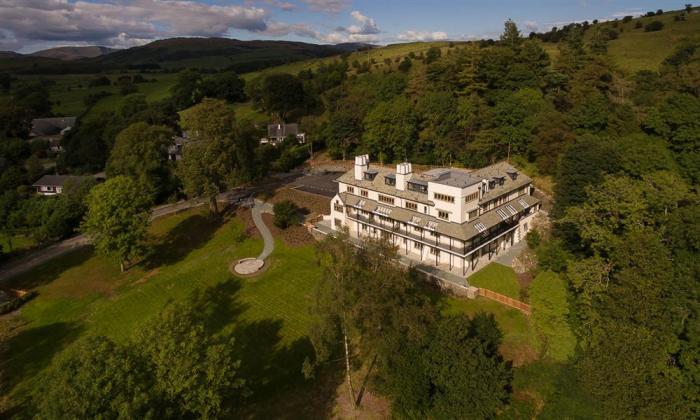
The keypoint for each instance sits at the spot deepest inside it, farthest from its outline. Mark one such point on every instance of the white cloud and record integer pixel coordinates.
(422, 36)
(329, 6)
(119, 24)
(365, 25)
(530, 26)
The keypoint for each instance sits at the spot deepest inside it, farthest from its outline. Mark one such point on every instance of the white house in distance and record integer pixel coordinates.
(51, 130)
(53, 184)
(451, 218)
(276, 133)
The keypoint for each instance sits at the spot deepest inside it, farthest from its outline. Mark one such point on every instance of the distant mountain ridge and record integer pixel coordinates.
(174, 54)
(73, 53)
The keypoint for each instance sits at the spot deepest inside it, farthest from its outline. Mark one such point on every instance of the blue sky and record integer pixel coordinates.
(29, 25)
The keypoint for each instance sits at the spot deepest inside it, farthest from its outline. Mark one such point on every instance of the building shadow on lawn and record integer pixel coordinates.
(32, 349)
(187, 236)
(52, 269)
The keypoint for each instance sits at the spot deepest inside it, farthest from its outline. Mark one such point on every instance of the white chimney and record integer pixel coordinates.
(361, 165)
(403, 174)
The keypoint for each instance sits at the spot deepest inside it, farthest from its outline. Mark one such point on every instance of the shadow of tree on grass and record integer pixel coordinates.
(271, 369)
(52, 269)
(187, 236)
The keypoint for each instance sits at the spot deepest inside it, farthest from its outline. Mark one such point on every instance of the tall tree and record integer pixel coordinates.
(117, 219)
(218, 153)
(140, 152)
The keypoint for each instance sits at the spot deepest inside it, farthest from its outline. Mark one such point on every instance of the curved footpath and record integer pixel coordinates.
(258, 209)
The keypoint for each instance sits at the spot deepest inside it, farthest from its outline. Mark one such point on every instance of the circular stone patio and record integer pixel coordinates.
(248, 266)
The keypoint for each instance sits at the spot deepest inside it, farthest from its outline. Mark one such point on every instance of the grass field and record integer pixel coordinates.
(82, 294)
(635, 49)
(498, 278)
(19, 242)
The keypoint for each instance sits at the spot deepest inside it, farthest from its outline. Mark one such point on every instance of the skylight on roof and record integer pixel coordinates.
(415, 220)
(480, 227)
(523, 203)
(383, 210)
(361, 203)
(432, 225)
(512, 210)
(502, 214)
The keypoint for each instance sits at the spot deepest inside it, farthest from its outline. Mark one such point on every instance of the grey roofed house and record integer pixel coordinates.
(42, 127)
(280, 131)
(276, 133)
(53, 184)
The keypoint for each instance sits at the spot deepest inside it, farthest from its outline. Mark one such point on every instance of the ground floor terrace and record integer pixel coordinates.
(437, 253)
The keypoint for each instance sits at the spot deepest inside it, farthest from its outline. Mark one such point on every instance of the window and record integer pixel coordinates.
(444, 197)
(405, 240)
(480, 227)
(417, 245)
(443, 214)
(350, 189)
(471, 197)
(338, 207)
(425, 209)
(411, 206)
(364, 193)
(435, 251)
(413, 186)
(364, 227)
(386, 199)
(389, 180)
(417, 229)
(474, 214)
(338, 223)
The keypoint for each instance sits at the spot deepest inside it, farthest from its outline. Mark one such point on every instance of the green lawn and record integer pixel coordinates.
(81, 294)
(19, 242)
(498, 278)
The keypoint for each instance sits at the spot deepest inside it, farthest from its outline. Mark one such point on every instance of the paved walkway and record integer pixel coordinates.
(506, 257)
(258, 209)
(43, 255)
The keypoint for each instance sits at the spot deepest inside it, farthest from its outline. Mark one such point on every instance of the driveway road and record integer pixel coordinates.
(43, 255)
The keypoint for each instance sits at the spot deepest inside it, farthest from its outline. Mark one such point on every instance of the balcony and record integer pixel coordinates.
(407, 232)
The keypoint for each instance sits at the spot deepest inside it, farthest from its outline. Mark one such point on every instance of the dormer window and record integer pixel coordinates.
(390, 180)
(418, 186)
(370, 175)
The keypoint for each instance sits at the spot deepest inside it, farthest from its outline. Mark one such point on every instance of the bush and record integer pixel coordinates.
(626, 19)
(550, 311)
(654, 26)
(533, 239)
(551, 255)
(286, 214)
(638, 25)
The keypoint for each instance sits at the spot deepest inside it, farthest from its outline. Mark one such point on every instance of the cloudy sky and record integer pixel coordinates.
(30, 25)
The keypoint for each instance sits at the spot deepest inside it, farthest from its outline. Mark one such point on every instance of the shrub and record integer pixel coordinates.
(654, 26)
(551, 255)
(15, 303)
(638, 25)
(550, 311)
(626, 19)
(286, 214)
(533, 239)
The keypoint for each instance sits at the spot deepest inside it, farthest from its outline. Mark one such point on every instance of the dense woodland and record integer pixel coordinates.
(620, 266)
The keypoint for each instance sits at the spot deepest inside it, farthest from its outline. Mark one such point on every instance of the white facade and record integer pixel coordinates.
(449, 218)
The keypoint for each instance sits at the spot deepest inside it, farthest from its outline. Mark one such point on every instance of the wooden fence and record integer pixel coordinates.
(508, 301)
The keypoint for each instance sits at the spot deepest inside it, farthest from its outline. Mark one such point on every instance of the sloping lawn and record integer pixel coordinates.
(82, 294)
(498, 278)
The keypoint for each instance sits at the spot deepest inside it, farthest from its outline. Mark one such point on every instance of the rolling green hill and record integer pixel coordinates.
(635, 49)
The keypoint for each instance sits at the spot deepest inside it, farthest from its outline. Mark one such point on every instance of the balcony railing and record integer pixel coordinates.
(407, 232)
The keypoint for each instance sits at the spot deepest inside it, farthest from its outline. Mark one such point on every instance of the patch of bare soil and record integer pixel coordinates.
(520, 355)
(524, 279)
(312, 204)
(148, 275)
(292, 236)
(372, 406)
(246, 216)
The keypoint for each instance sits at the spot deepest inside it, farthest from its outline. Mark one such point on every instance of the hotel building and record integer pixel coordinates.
(451, 218)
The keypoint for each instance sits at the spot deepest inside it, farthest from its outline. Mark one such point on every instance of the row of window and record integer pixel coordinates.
(386, 199)
(471, 197)
(444, 197)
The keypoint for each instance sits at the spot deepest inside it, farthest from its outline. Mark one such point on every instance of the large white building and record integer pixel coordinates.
(451, 218)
